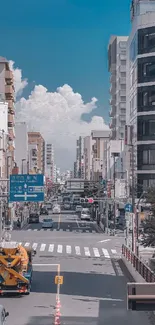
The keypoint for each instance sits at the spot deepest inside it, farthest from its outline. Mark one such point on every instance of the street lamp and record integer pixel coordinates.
(23, 165)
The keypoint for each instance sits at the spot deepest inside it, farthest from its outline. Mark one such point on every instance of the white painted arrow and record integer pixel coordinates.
(104, 241)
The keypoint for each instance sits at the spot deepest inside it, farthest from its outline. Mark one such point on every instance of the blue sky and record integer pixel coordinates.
(64, 41)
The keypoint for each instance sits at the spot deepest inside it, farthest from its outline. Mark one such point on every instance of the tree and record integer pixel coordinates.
(148, 238)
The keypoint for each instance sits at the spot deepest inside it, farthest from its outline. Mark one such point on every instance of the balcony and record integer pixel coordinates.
(122, 93)
(10, 124)
(113, 78)
(122, 68)
(112, 89)
(112, 112)
(9, 75)
(122, 81)
(122, 57)
(113, 134)
(9, 92)
(112, 101)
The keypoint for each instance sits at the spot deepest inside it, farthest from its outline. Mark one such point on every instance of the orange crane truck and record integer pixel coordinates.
(15, 268)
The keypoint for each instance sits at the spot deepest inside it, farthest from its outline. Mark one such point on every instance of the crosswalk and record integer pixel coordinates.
(75, 230)
(72, 250)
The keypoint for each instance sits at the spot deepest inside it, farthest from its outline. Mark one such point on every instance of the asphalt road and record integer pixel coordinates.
(94, 288)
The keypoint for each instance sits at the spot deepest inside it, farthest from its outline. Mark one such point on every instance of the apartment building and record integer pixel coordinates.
(7, 95)
(141, 90)
(3, 139)
(117, 67)
(100, 139)
(21, 147)
(80, 158)
(37, 148)
(50, 160)
(88, 156)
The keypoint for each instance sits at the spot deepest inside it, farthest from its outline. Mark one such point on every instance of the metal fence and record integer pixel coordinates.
(138, 264)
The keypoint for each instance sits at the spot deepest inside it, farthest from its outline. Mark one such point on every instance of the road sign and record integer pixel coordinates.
(27, 188)
(128, 207)
(59, 279)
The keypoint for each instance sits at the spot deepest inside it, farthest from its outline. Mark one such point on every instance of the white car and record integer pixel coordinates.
(56, 209)
(78, 208)
(85, 214)
(47, 223)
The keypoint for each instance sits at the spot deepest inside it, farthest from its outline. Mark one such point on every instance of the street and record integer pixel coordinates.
(94, 288)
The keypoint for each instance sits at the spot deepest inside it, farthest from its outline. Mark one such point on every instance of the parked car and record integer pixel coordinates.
(33, 217)
(3, 315)
(44, 211)
(47, 223)
(56, 209)
(78, 208)
(85, 214)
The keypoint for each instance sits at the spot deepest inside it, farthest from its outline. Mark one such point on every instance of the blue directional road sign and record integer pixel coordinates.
(128, 207)
(27, 188)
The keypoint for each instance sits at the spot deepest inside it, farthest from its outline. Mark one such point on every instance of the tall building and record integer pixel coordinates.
(117, 68)
(80, 158)
(88, 156)
(36, 140)
(141, 90)
(3, 139)
(7, 94)
(49, 160)
(99, 154)
(21, 147)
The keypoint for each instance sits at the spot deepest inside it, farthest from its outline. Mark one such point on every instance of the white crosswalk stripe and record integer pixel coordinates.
(113, 251)
(59, 250)
(42, 248)
(87, 252)
(105, 253)
(68, 249)
(34, 246)
(27, 244)
(96, 252)
(51, 248)
(77, 250)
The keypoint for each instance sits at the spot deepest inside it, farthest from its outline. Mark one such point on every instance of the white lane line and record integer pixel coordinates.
(35, 229)
(68, 249)
(87, 252)
(29, 229)
(114, 251)
(34, 246)
(42, 248)
(27, 244)
(20, 243)
(59, 250)
(104, 241)
(96, 252)
(77, 250)
(105, 253)
(51, 248)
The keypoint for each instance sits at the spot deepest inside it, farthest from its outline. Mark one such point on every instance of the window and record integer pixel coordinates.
(148, 157)
(123, 99)
(123, 74)
(123, 62)
(145, 157)
(122, 45)
(146, 98)
(146, 69)
(146, 40)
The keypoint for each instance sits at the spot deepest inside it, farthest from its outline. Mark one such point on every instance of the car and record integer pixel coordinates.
(85, 214)
(78, 208)
(33, 218)
(3, 315)
(66, 206)
(56, 209)
(44, 211)
(47, 223)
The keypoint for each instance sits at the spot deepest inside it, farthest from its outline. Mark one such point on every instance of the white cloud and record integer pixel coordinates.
(57, 115)
(20, 84)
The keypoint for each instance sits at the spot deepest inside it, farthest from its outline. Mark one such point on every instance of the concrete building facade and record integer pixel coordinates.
(117, 68)
(36, 139)
(50, 160)
(141, 91)
(21, 147)
(7, 95)
(88, 156)
(3, 140)
(80, 158)
(100, 139)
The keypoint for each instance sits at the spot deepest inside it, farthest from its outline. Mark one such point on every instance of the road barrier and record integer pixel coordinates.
(57, 313)
(147, 274)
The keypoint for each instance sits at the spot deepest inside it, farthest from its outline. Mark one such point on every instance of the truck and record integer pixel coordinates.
(15, 268)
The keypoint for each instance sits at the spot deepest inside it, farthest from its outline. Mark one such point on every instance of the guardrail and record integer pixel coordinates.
(138, 264)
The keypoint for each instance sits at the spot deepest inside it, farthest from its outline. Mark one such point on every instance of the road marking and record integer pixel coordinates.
(105, 253)
(29, 229)
(27, 244)
(77, 250)
(104, 241)
(34, 246)
(59, 250)
(68, 249)
(59, 221)
(35, 229)
(42, 248)
(35, 264)
(114, 251)
(87, 252)
(96, 252)
(77, 222)
(51, 248)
